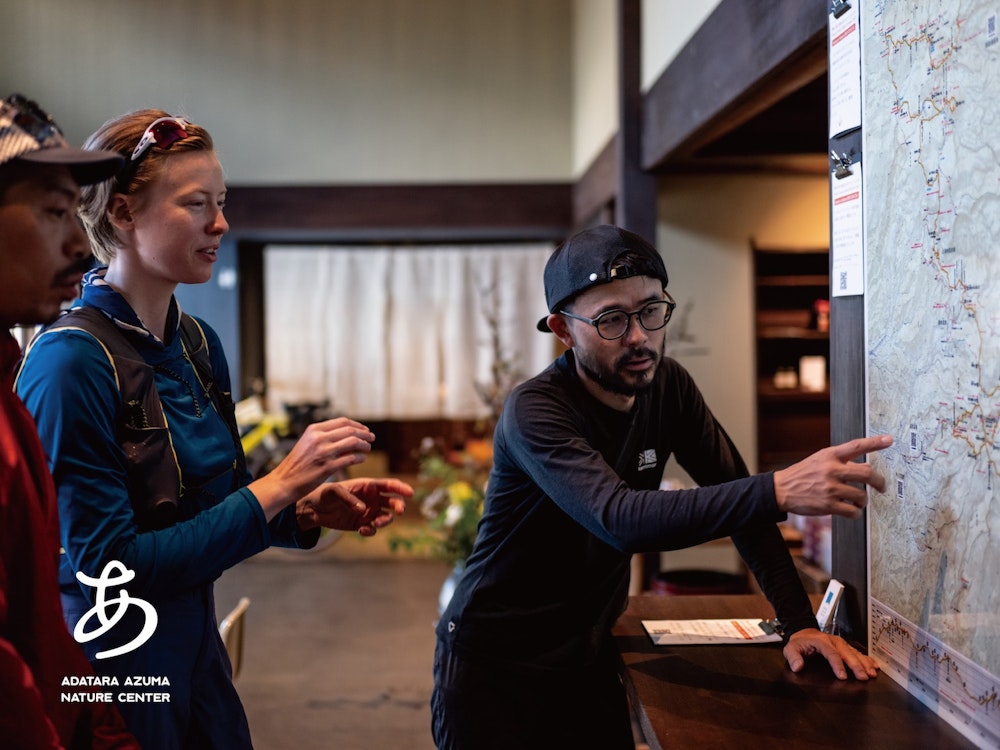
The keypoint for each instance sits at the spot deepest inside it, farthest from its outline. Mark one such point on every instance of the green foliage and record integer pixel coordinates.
(451, 487)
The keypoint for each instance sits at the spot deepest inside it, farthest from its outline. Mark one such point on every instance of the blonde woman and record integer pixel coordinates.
(158, 488)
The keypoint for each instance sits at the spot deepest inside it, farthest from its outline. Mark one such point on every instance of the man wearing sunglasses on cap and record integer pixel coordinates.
(43, 254)
(525, 657)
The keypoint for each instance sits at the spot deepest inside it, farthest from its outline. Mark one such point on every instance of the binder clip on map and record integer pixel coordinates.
(839, 7)
(841, 165)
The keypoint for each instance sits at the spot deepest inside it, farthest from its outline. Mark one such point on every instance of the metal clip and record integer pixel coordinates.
(772, 626)
(839, 7)
(841, 165)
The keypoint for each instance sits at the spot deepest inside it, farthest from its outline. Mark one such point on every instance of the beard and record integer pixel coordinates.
(616, 378)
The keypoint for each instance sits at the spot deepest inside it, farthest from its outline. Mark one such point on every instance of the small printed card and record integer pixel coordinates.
(702, 632)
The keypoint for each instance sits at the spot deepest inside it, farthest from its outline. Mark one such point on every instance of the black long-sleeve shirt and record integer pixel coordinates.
(574, 492)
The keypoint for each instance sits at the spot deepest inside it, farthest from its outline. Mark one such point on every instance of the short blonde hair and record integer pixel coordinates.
(121, 135)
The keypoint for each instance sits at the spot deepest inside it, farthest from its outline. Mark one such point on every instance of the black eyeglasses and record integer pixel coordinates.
(164, 133)
(614, 324)
(34, 121)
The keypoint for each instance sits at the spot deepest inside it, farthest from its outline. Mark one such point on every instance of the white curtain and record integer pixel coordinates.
(401, 332)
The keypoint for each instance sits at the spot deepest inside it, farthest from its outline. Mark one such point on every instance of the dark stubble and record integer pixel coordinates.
(618, 380)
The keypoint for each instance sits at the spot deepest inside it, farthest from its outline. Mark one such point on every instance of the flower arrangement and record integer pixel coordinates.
(450, 488)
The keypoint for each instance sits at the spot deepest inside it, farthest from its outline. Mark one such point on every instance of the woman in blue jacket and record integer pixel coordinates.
(137, 582)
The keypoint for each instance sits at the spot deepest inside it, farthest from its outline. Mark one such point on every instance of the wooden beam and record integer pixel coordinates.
(848, 420)
(329, 212)
(748, 55)
(250, 271)
(594, 192)
(635, 200)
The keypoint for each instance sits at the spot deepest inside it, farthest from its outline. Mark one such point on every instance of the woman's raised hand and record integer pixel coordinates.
(324, 448)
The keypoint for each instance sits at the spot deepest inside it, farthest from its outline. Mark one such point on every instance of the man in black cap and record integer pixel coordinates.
(45, 679)
(525, 657)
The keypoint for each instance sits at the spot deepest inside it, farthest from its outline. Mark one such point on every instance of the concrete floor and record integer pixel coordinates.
(338, 646)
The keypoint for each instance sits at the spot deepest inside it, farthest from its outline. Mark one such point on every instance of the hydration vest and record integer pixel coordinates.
(153, 475)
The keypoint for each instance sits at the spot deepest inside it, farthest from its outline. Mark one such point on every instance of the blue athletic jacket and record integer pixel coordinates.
(68, 383)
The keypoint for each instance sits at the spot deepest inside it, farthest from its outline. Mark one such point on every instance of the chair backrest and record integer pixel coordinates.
(231, 630)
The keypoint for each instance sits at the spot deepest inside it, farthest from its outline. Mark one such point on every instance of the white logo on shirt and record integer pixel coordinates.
(647, 459)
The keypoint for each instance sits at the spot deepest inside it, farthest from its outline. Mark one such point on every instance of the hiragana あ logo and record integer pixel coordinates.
(107, 580)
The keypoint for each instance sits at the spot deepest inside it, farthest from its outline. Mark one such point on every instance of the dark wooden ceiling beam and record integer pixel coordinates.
(423, 211)
(745, 58)
(594, 192)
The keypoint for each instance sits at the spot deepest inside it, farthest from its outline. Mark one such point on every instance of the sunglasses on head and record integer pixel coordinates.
(164, 133)
(34, 120)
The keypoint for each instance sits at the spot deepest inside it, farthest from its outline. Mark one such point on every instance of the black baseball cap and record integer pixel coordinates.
(588, 258)
(29, 134)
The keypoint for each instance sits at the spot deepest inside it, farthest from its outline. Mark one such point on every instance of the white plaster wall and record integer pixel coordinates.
(667, 25)
(595, 79)
(315, 91)
(348, 91)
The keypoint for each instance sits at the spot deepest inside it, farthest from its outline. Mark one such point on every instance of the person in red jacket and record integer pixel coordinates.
(49, 696)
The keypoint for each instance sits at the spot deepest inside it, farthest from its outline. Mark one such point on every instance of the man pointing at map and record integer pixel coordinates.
(525, 656)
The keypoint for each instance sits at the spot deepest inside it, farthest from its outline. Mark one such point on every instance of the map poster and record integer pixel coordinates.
(931, 83)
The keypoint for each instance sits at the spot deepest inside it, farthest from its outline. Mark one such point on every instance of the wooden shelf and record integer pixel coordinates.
(792, 332)
(822, 280)
(791, 422)
(766, 390)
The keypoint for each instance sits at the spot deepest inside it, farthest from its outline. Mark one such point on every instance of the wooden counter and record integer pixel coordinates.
(747, 697)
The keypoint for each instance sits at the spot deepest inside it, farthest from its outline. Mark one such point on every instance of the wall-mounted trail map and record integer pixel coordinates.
(931, 155)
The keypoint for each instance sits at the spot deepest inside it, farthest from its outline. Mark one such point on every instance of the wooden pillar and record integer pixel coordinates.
(635, 189)
(635, 194)
(848, 421)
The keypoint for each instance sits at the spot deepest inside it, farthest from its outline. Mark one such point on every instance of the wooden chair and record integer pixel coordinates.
(231, 630)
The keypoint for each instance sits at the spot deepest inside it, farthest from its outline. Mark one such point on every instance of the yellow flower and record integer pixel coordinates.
(461, 492)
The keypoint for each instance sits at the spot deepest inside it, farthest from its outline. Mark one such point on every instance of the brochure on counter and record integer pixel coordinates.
(704, 632)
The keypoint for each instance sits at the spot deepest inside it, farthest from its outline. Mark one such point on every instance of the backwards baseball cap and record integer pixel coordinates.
(29, 134)
(589, 258)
